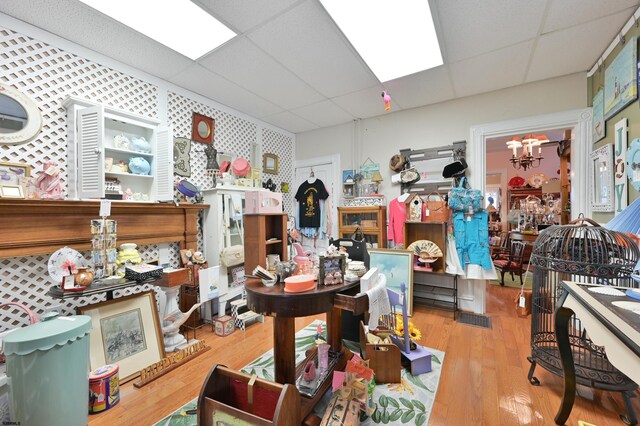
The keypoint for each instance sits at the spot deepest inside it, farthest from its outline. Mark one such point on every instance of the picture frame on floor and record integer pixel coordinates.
(397, 267)
(125, 331)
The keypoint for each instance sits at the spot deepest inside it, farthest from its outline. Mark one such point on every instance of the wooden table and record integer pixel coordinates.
(285, 307)
(617, 329)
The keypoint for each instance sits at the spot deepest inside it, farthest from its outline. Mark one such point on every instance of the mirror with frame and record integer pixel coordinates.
(20, 118)
(270, 164)
(601, 179)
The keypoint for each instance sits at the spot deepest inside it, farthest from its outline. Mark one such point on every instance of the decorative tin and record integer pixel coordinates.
(104, 388)
(142, 272)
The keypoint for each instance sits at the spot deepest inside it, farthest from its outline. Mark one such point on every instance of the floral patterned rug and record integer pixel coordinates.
(407, 402)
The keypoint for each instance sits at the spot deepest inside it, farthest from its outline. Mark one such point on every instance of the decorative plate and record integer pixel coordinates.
(516, 182)
(537, 180)
(62, 260)
(633, 163)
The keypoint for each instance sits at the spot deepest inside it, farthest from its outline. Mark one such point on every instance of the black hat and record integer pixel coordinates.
(455, 169)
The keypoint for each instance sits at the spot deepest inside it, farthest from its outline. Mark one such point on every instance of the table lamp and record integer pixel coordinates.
(376, 178)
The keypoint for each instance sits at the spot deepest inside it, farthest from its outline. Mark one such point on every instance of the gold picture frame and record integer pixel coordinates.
(11, 191)
(132, 319)
(11, 173)
(270, 164)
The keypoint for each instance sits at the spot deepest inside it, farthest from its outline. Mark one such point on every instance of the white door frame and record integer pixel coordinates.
(580, 122)
(335, 192)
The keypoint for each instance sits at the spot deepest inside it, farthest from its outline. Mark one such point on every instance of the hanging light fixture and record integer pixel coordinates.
(526, 159)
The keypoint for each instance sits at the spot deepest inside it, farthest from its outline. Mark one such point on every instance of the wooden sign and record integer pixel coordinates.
(619, 164)
(173, 361)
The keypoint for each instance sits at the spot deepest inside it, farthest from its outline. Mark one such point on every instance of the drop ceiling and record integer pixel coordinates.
(291, 66)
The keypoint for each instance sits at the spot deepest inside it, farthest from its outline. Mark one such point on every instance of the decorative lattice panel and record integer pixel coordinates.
(282, 145)
(48, 74)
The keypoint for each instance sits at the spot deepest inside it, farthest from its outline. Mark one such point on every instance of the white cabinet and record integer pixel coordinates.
(92, 128)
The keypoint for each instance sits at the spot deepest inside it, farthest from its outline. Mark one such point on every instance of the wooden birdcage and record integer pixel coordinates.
(587, 254)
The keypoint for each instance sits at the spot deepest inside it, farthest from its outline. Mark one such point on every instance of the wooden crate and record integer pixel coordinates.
(384, 359)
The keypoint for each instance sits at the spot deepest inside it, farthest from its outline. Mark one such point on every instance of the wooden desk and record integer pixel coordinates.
(618, 330)
(285, 307)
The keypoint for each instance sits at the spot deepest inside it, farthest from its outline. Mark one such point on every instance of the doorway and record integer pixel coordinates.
(327, 169)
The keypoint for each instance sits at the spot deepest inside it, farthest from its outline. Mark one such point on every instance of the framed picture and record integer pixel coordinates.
(599, 127)
(397, 267)
(601, 179)
(620, 79)
(237, 276)
(331, 270)
(202, 128)
(270, 163)
(11, 191)
(125, 331)
(10, 173)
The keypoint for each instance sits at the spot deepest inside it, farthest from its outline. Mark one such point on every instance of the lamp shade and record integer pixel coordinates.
(628, 220)
(377, 177)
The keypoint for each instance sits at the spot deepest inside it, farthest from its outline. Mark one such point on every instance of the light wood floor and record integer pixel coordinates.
(484, 376)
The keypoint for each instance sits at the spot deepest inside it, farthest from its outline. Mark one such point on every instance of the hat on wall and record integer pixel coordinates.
(455, 169)
(397, 163)
(240, 167)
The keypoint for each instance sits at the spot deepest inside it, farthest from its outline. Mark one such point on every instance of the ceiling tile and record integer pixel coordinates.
(291, 122)
(87, 27)
(324, 114)
(206, 83)
(567, 13)
(574, 49)
(472, 27)
(246, 15)
(365, 103)
(245, 64)
(492, 71)
(423, 88)
(308, 43)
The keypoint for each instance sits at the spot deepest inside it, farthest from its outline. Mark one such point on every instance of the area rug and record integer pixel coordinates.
(408, 402)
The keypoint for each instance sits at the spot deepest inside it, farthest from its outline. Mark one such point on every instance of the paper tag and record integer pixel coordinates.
(468, 218)
(636, 175)
(105, 208)
(68, 282)
(521, 303)
(426, 213)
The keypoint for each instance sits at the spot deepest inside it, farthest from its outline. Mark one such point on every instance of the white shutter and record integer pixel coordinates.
(90, 153)
(164, 164)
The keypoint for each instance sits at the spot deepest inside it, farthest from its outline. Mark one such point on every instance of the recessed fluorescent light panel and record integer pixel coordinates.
(395, 38)
(178, 24)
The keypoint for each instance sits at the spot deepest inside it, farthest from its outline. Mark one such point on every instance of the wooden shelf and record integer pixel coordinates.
(32, 227)
(268, 242)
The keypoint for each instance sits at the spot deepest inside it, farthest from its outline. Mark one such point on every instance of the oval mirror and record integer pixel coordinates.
(203, 130)
(20, 119)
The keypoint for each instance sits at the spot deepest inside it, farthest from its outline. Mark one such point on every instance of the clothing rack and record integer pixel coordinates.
(456, 151)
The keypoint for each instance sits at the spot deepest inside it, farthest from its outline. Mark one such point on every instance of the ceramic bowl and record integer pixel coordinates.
(269, 283)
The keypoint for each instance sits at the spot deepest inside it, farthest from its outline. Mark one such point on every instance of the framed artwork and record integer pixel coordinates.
(202, 128)
(347, 175)
(11, 191)
(270, 164)
(599, 128)
(601, 179)
(397, 267)
(209, 282)
(633, 163)
(331, 270)
(237, 276)
(620, 79)
(126, 331)
(11, 173)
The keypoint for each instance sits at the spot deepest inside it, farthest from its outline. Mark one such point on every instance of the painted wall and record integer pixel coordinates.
(437, 125)
(631, 112)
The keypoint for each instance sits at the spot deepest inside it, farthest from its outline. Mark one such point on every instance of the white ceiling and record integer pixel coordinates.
(292, 67)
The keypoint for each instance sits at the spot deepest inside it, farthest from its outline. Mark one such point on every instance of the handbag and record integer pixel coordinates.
(436, 210)
(232, 256)
(465, 199)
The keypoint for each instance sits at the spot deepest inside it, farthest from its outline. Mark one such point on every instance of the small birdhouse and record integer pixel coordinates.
(414, 208)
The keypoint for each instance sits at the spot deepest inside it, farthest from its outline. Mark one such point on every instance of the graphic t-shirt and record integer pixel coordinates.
(308, 197)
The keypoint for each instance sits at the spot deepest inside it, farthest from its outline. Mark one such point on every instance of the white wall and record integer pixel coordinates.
(439, 124)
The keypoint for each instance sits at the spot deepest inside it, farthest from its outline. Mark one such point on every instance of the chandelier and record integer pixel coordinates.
(526, 159)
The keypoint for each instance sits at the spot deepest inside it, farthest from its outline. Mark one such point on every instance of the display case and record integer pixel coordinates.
(434, 288)
(102, 141)
(372, 221)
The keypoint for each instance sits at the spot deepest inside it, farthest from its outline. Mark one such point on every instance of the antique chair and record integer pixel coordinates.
(514, 263)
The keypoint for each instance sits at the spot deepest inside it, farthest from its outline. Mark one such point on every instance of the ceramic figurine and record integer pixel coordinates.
(140, 144)
(139, 166)
(121, 142)
(48, 181)
(83, 277)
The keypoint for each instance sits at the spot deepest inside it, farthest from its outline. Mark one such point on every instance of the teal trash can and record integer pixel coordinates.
(48, 371)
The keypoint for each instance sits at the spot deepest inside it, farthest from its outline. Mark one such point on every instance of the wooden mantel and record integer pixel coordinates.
(31, 227)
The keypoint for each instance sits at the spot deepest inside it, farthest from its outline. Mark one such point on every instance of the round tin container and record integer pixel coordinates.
(104, 388)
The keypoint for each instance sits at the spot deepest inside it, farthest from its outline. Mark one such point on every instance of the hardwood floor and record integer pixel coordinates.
(484, 376)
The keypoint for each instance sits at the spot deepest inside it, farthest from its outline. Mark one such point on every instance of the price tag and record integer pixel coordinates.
(426, 213)
(105, 208)
(636, 175)
(521, 303)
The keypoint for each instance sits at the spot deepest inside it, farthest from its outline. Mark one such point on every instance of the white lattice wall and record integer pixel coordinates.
(282, 145)
(48, 74)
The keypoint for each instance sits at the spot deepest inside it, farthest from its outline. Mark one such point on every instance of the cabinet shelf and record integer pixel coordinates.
(269, 242)
(374, 219)
(128, 175)
(128, 152)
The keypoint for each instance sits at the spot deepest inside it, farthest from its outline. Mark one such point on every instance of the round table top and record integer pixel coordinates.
(274, 301)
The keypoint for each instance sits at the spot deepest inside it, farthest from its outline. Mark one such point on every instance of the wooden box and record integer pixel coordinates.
(384, 359)
(174, 277)
(224, 325)
(231, 397)
(261, 202)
